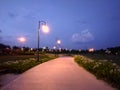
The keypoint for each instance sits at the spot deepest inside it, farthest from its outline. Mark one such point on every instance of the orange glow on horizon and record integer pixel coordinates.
(91, 50)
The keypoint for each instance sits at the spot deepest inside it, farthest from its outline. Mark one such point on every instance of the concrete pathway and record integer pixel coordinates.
(59, 74)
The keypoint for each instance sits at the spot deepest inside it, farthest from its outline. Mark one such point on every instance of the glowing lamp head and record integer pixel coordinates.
(21, 39)
(58, 41)
(45, 28)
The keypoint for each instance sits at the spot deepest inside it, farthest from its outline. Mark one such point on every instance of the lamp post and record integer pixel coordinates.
(41, 26)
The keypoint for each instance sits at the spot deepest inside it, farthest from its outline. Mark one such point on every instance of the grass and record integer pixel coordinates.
(102, 69)
(111, 58)
(19, 64)
(5, 58)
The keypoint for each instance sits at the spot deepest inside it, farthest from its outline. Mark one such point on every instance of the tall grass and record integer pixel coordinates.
(6, 58)
(20, 66)
(102, 69)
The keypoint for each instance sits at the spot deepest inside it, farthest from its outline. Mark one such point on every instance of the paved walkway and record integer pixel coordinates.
(59, 74)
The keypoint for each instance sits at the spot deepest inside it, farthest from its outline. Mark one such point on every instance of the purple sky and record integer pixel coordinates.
(80, 24)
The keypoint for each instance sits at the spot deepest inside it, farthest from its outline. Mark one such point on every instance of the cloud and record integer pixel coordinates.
(82, 37)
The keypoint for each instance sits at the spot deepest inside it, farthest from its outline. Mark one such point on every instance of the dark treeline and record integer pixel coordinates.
(7, 50)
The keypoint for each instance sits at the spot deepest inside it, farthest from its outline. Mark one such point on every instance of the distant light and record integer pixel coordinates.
(31, 49)
(58, 41)
(66, 49)
(79, 50)
(22, 48)
(91, 50)
(54, 47)
(45, 29)
(21, 39)
(108, 52)
(44, 47)
(60, 49)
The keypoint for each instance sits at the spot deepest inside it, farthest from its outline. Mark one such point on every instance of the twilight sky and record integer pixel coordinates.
(80, 24)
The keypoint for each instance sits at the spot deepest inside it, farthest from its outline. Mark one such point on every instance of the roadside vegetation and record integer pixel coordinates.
(104, 63)
(103, 69)
(21, 63)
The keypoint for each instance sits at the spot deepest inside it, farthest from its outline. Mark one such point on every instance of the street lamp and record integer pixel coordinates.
(21, 39)
(41, 26)
(59, 42)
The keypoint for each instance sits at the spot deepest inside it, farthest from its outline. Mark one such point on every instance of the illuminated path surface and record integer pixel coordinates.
(59, 74)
